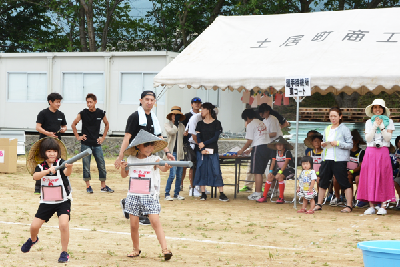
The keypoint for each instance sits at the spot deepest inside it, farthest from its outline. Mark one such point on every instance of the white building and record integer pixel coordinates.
(116, 78)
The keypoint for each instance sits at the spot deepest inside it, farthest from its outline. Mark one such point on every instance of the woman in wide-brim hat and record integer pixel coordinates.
(175, 110)
(376, 176)
(34, 157)
(144, 137)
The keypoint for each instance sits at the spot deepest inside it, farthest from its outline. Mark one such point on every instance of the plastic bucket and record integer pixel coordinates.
(380, 253)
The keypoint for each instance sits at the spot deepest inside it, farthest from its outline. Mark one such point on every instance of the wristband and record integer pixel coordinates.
(351, 171)
(270, 171)
(280, 171)
(167, 153)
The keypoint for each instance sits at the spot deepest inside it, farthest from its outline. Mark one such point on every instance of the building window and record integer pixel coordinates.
(133, 84)
(27, 86)
(77, 85)
(209, 96)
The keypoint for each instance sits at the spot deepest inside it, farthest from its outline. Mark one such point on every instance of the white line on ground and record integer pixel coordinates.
(154, 236)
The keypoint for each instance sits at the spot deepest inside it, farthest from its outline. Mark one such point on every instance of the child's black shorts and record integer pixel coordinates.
(288, 171)
(46, 211)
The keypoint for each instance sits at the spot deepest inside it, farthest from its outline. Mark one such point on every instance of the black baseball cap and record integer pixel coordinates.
(144, 93)
(196, 99)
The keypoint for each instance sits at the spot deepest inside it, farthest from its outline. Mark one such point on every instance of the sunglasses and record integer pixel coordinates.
(196, 100)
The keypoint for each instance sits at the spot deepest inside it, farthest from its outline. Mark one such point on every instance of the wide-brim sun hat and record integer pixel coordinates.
(309, 140)
(34, 157)
(176, 110)
(357, 137)
(377, 102)
(145, 137)
(280, 140)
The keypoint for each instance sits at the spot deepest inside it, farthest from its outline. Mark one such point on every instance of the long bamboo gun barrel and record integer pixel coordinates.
(83, 154)
(187, 164)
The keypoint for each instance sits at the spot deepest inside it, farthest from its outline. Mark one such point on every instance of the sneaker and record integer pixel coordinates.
(89, 190)
(369, 211)
(255, 196)
(361, 204)
(37, 189)
(144, 220)
(246, 189)
(28, 244)
(262, 200)
(168, 198)
(342, 200)
(196, 192)
(381, 211)
(280, 201)
(203, 196)
(122, 203)
(334, 201)
(223, 197)
(181, 187)
(178, 197)
(378, 206)
(106, 189)
(207, 192)
(64, 257)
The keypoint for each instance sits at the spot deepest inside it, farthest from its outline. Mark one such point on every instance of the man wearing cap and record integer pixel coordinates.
(144, 118)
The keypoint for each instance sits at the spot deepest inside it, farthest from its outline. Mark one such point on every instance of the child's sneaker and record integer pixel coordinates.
(28, 244)
(262, 200)
(246, 189)
(89, 190)
(64, 257)
(106, 189)
(122, 203)
(223, 197)
(334, 201)
(280, 201)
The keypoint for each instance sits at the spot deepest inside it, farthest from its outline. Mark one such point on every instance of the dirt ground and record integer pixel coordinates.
(209, 233)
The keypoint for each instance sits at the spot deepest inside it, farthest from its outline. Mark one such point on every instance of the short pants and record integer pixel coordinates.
(142, 205)
(46, 211)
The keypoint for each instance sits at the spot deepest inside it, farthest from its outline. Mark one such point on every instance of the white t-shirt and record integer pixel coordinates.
(378, 136)
(330, 153)
(257, 131)
(305, 179)
(155, 179)
(191, 127)
(273, 126)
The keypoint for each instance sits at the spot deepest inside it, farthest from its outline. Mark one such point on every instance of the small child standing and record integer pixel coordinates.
(306, 189)
(55, 192)
(144, 188)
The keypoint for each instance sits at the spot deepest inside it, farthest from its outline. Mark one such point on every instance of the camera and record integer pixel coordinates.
(378, 142)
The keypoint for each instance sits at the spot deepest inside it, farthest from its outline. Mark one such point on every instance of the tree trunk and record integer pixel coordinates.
(341, 4)
(347, 101)
(110, 13)
(182, 22)
(217, 10)
(82, 28)
(89, 20)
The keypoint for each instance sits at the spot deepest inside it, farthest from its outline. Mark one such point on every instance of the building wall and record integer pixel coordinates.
(21, 114)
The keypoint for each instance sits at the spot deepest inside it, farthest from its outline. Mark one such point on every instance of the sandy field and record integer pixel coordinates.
(199, 233)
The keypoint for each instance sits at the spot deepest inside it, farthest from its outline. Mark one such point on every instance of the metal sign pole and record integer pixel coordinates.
(295, 152)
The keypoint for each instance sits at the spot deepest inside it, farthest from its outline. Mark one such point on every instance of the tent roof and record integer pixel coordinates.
(353, 50)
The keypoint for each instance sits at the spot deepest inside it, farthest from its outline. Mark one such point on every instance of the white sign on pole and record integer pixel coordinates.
(297, 86)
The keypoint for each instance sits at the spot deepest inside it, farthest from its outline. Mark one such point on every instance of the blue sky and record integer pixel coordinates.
(140, 7)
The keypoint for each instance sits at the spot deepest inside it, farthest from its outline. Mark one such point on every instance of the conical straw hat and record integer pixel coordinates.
(34, 157)
(145, 137)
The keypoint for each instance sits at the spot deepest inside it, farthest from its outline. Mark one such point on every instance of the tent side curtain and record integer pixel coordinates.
(341, 51)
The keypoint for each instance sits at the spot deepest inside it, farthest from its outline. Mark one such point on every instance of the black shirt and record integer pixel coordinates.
(359, 153)
(66, 183)
(91, 122)
(133, 127)
(185, 123)
(51, 121)
(208, 132)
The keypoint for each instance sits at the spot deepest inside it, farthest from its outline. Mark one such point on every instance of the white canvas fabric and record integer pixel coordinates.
(339, 50)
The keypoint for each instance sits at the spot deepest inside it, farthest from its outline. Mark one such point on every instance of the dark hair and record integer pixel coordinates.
(313, 132)
(249, 114)
(210, 107)
(146, 145)
(315, 136)
(307, 159)
(384, 109)
(338, 110)
(53, 97)
(49, 144)
(397, 140)
(264, 107)
(92, 96)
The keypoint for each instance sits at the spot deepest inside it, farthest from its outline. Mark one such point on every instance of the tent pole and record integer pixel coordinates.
(295, 152)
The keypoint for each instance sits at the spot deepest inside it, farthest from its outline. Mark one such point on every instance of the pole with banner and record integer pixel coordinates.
(297, 87)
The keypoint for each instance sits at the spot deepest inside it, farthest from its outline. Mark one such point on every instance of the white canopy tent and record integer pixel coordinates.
(341, 51)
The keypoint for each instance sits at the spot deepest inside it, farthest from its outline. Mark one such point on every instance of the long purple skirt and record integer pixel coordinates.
(376, 176)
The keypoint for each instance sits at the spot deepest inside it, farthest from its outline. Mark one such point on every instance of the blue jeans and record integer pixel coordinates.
(97, 152)
(172, 172)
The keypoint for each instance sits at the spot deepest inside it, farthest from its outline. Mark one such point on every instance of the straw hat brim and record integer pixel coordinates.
(145, 137)
(34, 157)
(368, 109)
(183, 117)
(280, 140)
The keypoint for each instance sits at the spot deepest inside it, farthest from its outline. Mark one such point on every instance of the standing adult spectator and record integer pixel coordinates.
(50, 122)
(144, 118)
(270, 121)
(196, 105)
(337, 142)
(90, 138)
(376, 176)
(175, 129)
(208, 170)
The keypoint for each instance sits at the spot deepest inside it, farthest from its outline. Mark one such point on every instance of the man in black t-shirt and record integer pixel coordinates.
(50, 122)
(90, 138)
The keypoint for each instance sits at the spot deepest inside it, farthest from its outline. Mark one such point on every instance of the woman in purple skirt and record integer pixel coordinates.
(376, 176)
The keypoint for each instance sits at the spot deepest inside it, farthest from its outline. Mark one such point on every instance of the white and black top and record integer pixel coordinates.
(133, 127)
(91, 121)
(378, 136)
(148, 171)
(51, 121)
